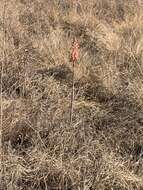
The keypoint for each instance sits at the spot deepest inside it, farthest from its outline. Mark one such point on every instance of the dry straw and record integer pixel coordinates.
(2, 163)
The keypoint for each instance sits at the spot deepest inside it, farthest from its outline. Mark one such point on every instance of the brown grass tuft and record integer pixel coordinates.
(103, 149)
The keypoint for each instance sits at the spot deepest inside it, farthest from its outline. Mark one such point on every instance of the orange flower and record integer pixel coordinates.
(75, 52)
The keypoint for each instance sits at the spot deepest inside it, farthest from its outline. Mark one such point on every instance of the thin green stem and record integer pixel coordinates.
(72, 97)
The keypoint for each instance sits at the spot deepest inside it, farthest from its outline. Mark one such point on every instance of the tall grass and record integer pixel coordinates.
(103, 148)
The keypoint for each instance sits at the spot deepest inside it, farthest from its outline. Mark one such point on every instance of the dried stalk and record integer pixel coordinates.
(2, 175)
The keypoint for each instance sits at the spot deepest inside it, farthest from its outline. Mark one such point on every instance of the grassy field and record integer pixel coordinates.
(103, 148)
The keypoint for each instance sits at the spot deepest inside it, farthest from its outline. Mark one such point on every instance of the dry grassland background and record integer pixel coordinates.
(103, 149)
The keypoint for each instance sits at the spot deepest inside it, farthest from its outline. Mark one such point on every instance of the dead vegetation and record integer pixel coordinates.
(103, 149)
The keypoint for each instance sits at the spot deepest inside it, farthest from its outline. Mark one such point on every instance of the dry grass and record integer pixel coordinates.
(103, 149)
